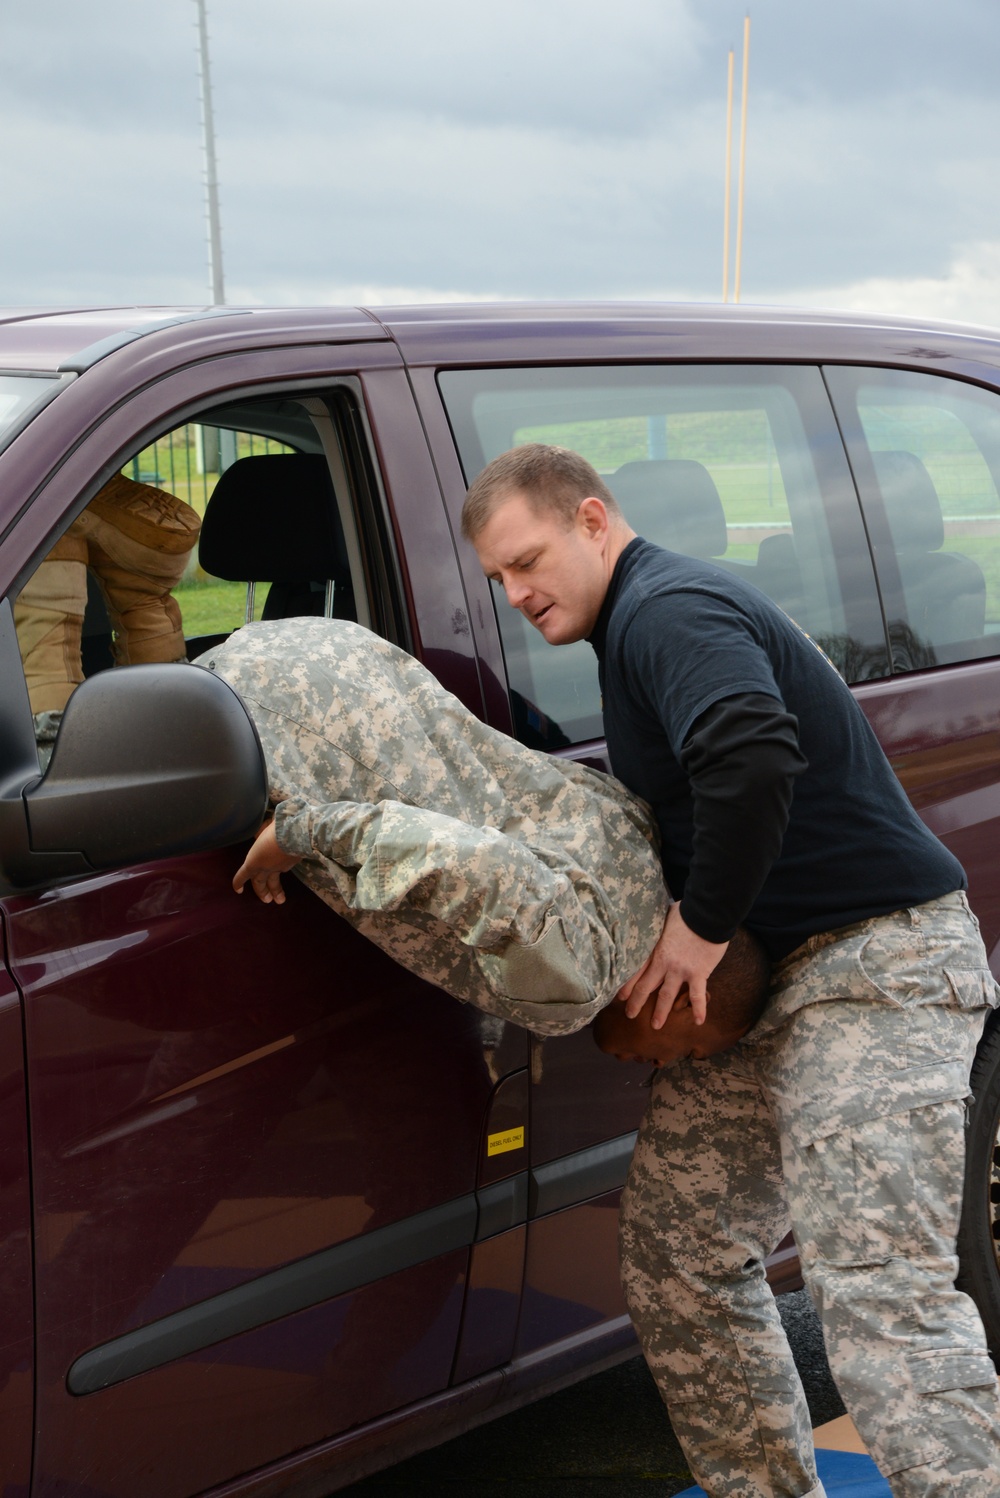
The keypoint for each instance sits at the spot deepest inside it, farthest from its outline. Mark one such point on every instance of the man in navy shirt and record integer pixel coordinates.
(843, 1108)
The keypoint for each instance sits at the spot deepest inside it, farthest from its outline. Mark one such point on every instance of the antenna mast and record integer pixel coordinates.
(726, 235)
(743, 157)
(211, 177)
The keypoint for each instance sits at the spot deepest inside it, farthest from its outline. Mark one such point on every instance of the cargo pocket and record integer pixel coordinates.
(973, 988)
(547, 971)
(930, 1435)
(873, 1169)
(936, 1372)
(838, 1209)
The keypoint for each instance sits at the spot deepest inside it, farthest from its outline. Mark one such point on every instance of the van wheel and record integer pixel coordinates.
(979, 1233)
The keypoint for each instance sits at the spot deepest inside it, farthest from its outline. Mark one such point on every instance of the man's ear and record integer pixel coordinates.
(592, 516)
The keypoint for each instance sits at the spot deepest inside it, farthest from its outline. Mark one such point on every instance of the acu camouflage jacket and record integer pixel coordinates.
(527, 885)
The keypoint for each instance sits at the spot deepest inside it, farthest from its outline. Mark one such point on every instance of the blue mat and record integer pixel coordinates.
(844, 1473)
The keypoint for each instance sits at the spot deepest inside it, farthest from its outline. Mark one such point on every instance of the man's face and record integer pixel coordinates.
(555, 574)
(680, 1039)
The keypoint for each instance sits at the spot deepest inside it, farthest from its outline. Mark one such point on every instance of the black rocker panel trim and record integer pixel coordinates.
(351, 1265)
(333, 1271)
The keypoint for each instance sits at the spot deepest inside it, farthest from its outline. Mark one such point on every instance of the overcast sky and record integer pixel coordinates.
(385, 150)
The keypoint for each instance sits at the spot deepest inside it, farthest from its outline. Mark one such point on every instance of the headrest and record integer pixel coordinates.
(911, 501)
(272, 519)
(673, 501)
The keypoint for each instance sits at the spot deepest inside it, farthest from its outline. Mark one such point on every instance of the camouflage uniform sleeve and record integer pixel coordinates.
(490, 889)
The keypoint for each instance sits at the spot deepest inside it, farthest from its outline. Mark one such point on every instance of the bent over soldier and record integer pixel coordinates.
(526, 885)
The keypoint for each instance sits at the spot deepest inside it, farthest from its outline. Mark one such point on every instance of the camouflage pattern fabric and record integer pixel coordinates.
(526, 885)
(841, 1115)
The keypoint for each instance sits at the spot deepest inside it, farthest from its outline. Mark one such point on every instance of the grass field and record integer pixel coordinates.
(736, 447)
(181, 463)
(212, 607)
(737, 450)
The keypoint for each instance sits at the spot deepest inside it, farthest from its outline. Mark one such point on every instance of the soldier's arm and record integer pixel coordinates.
(263, 867)
(487, 887)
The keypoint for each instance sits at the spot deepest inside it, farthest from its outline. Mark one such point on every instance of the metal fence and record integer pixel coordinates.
(188, 461)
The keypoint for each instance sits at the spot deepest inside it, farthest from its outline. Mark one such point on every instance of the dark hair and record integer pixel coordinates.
(553, 479)
(737, 989)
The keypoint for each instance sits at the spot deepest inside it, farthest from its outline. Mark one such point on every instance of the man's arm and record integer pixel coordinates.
(741, 757)
(680, 957)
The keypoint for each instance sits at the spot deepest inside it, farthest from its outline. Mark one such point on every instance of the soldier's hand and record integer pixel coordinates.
(679, 957)
(263, 867)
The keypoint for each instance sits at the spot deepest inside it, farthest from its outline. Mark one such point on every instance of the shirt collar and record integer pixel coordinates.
(599, 634)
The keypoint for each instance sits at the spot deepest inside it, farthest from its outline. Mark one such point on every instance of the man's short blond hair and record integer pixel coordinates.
(554, 480)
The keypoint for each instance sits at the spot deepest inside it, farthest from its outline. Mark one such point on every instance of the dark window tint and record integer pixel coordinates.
(741, 467)
(926, 455)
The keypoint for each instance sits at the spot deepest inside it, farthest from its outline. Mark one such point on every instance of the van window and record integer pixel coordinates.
(188, 463)
(255, 510)
(926, 455)
(741, 467)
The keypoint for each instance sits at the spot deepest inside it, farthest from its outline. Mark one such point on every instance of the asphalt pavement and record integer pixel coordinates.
(608, 1437)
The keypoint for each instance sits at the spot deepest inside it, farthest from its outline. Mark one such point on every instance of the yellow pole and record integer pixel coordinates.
(729, 181)
(743, 157)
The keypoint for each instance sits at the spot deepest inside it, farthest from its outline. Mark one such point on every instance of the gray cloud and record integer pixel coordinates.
(559, 149)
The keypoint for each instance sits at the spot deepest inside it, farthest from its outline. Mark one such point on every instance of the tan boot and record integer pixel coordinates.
(138, 543)
(48, 616)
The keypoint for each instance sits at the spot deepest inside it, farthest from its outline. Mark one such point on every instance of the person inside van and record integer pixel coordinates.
(135, 540)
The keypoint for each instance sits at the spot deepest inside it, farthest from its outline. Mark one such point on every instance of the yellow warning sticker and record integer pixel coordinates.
(510, 1139)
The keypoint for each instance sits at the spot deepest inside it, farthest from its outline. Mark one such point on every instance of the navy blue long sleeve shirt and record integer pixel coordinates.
(775, 803)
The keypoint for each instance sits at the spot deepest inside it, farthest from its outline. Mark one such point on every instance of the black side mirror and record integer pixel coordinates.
(150, 762)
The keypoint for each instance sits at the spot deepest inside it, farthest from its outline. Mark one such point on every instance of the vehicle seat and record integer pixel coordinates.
(674, 502)
(779, 575)
(944, 591)
(274, 519)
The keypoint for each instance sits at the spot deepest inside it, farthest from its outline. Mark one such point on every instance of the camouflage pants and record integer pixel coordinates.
(840, 1114)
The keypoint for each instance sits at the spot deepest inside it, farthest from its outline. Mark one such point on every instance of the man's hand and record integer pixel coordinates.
(679, 957)
(263, 867)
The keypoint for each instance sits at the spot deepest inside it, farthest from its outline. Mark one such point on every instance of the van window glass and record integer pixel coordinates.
(926, 454)
(248, 513)
(741, 467)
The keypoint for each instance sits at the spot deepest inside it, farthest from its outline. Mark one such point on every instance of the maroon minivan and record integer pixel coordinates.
(274, 1213)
